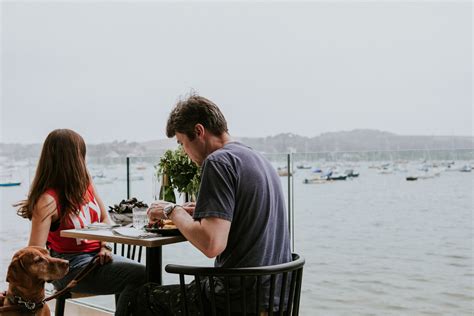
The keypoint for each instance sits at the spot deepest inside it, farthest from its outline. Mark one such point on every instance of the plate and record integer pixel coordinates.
(163, 232)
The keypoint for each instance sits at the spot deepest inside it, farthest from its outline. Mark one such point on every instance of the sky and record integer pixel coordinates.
(114, 70)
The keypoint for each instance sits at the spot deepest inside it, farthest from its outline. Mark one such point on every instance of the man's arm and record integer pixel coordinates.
(209, 235)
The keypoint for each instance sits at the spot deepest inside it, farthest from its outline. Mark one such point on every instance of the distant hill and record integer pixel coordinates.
(347, 141)
(356, 140)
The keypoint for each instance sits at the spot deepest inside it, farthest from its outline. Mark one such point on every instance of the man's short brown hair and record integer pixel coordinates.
(195, 110)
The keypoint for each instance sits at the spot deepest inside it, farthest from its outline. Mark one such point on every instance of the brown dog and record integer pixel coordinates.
(30, 268)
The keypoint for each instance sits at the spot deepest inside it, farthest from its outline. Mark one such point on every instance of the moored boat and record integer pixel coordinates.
(303, 166)
(466, 168)
(9, 178)
(283, 172)
(9, 184)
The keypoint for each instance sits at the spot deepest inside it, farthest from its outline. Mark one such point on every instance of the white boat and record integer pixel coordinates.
(316, 179)
(386, 170)
(426, 173)
(303, 166)
(351, 173)
(99, 177)
(466, 168)
(283, 172)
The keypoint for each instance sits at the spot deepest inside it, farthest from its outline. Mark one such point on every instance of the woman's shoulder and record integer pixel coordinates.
(48, 196)
(46, 205)
(90, 192)
(51, 193)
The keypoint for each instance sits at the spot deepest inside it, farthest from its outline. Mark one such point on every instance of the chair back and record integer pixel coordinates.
(274, 289)
(131, 252)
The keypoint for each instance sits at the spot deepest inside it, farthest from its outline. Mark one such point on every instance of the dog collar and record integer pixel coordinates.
(27, 305)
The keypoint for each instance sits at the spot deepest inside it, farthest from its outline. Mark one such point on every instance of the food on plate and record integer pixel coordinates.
(162, 224)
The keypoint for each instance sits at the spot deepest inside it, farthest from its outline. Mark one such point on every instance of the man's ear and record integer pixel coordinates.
(199, 130)
(15, 271)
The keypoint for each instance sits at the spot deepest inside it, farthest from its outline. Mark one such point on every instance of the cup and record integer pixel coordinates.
(140, 218)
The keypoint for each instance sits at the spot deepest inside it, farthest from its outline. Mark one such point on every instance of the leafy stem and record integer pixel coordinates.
(184, 175)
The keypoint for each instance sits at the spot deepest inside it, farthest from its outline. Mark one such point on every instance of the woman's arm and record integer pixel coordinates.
(105, 255)
(44, 214)
(104, 215)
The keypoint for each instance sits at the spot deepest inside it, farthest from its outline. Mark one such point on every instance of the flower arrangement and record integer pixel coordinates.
(184, 175)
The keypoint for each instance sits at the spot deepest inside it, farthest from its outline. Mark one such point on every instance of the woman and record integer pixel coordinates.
(62, 196)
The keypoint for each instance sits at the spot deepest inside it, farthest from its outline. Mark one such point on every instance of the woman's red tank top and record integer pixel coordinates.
(88, 214)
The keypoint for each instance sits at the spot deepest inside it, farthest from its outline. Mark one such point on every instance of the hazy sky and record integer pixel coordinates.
(113, 70)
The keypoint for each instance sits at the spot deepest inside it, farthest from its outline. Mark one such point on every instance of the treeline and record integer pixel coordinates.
(356, 141)
(349, 141)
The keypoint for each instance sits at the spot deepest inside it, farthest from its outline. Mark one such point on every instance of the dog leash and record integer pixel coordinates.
(32, 307)
(81, 275)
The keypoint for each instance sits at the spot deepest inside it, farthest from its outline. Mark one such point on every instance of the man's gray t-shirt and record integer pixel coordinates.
(239, 185)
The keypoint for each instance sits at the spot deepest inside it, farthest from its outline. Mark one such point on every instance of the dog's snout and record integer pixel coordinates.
(61, 267)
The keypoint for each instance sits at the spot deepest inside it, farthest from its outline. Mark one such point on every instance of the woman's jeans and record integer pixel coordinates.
(121, 276)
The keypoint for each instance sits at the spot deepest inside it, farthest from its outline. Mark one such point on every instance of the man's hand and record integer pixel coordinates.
(209, 234)
(155, 211)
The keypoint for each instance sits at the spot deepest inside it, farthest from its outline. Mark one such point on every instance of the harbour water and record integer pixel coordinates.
(374, 245)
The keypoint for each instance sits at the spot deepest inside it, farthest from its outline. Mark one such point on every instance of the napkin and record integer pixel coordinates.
(132, 232)
(100, 226)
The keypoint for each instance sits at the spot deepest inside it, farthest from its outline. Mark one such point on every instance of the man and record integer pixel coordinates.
(239, 217)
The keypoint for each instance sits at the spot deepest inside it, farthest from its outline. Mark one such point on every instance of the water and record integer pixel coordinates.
(375, 245)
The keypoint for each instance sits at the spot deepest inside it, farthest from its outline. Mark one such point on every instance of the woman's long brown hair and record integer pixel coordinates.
(62, 167)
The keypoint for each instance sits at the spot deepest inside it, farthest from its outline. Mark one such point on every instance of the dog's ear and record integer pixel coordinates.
(44, 251)
(40, 249)
(15, 271)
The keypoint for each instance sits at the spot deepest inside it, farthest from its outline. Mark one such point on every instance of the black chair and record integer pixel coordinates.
(263, 281)
(128, 251)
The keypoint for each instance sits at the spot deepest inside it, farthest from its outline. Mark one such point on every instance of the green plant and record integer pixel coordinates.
(184, 175)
